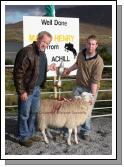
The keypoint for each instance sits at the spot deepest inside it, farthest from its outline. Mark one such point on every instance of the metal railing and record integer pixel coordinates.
(63, 80)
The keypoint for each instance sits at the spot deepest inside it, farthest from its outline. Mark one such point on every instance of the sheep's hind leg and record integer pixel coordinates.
(69, 137)
(44, 135)
(75, 135)
(49, 134)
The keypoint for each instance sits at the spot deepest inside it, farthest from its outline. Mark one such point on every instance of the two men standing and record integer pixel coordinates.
(30, 74)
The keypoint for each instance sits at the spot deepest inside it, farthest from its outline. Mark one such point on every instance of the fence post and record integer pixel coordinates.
(55, 87)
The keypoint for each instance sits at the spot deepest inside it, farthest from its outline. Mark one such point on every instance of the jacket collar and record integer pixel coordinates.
(84, 54)
(38, 52)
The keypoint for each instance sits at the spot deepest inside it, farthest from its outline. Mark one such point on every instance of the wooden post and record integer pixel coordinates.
(59, 90)
(55, 88)
(59, 94)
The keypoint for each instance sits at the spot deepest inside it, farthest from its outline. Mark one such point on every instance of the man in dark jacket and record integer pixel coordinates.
(30, 70)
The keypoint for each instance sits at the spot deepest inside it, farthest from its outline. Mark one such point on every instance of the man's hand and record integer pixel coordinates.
(66, 72)
(24, 96)
(52, 67)
(92, 100)
(70, 69)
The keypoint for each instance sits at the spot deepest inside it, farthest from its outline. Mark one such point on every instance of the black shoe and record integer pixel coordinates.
(36, 138)
(27, 143)
(86, 137)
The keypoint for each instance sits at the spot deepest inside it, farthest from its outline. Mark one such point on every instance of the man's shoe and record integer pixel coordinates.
(86, 137)
(27, 143)
(36, 138)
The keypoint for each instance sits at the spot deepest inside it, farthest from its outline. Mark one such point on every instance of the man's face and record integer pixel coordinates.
(91, 45)
(43, 42)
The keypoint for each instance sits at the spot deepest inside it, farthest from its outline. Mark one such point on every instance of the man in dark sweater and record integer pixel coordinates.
(29, 73)
(89, 67)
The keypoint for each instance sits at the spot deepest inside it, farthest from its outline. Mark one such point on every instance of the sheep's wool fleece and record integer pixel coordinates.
(63, 114)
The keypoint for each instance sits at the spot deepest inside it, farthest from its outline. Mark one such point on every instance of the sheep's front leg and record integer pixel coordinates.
(69, 137)
(75, 135)
(44, 135)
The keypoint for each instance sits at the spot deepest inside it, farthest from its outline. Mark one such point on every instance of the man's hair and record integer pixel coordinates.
(42, 33)
(92, 37)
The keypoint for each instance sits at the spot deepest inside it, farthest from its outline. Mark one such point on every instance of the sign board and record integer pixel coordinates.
(65, 44)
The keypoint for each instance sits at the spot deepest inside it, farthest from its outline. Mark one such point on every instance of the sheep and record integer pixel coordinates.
(67, 113)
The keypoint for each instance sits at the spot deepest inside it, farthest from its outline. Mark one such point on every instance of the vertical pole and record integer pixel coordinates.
(59, 93)
(59, 89)
(55, 88)
(50, 11)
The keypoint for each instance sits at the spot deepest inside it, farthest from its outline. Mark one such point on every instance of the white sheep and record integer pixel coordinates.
(69, 114)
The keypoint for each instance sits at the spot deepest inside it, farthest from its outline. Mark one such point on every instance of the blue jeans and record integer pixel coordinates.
(27, 114)
(86, 127)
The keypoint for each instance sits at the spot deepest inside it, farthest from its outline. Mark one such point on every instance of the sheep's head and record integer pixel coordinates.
(87, 96)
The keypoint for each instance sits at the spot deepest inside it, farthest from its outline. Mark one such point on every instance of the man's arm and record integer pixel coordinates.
(94, 88)
(21, 64)
(72, 68)
(96, 76)
(51, 67)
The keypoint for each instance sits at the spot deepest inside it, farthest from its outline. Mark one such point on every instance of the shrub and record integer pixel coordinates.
(107, 57)
(9, 62)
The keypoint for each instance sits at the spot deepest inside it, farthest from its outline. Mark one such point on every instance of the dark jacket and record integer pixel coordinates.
(26, 69)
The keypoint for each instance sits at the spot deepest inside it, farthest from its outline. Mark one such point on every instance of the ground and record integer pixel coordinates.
(100, 144)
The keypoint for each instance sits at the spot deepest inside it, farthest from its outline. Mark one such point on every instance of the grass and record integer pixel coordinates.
(104, 34)
(14, 32)
(66, 86)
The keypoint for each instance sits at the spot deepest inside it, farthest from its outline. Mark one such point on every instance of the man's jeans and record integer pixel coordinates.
(86, 127)
(27, 113)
